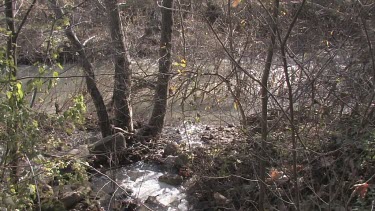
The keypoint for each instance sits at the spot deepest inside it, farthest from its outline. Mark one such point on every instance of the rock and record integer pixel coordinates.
(113, 143)
(228, 129)
(182, 160)
(132, 204)
(92, 140)
(220, 199)
(71, 199)
(82, 151)
(52, 205)
(169, 162)
(8, 200)
(171, 148)
(185, 172)
(207, 138)
(171, 179)
(153, 203)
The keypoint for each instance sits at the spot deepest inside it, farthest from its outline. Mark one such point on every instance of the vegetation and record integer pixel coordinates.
(294, 78)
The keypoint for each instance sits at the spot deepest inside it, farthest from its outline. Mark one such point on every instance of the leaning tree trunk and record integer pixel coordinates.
(122, 88)
(156, 122)
(97, 98)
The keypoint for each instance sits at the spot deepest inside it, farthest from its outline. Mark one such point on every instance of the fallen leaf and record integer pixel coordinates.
(275, 174)
(361, 189)
(236, 3)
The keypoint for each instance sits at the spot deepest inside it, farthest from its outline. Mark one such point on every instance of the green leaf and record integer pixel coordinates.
(32, 189)
(9, 95)
(60, 66)
(35, 123)
(55, 56)
(183, 63)
(66, 21)
(42, 69)
(50, 84)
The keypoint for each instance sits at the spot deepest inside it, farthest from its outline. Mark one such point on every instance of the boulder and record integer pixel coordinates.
(171, 179)
(182, 160)
(113, 143)
(220, 199)
(172, 163)
(80, 152)
(153, 203)
(171, 148)
(71, 199)
(169, 162)
(207, 137)
(52, 205)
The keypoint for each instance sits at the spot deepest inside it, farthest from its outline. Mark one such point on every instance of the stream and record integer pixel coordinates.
(141, 179)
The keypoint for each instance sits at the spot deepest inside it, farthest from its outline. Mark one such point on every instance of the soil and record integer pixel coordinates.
(220, 168)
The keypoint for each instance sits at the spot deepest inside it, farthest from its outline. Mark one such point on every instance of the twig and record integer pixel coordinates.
(35, 182)
(232, 175)
(97, 193)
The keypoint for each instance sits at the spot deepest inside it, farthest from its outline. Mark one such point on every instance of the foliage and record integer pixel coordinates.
(77, 111)
(22, 142)
(329, 56)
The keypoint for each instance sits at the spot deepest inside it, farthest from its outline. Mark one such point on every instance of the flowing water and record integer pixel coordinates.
(142, 178)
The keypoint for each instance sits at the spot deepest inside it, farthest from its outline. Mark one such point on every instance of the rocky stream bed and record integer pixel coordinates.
(156, 174)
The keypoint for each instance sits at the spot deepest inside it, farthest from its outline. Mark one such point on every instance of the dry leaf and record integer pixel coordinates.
(361, 189)
(220, 199)
(236, 3)
(275, 174)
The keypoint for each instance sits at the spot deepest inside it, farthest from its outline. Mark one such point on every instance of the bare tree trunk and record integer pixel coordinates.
(13, 146)
(294, 128)
(12, 40)
(158, 113)
(11, 43)
(122, 88)
(97, 98)
(11, 56)
(264, 93)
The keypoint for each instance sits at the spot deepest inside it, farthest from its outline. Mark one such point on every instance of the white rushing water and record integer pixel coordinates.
(142, 178)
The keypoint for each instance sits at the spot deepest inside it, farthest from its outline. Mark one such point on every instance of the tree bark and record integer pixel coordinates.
(264, 93)
(11, 56)
(156, 122)
(122, 88)
(11, 42)
(294, 128)
(97, 98)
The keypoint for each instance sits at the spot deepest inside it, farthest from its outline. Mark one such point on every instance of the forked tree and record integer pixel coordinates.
(122, 87)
